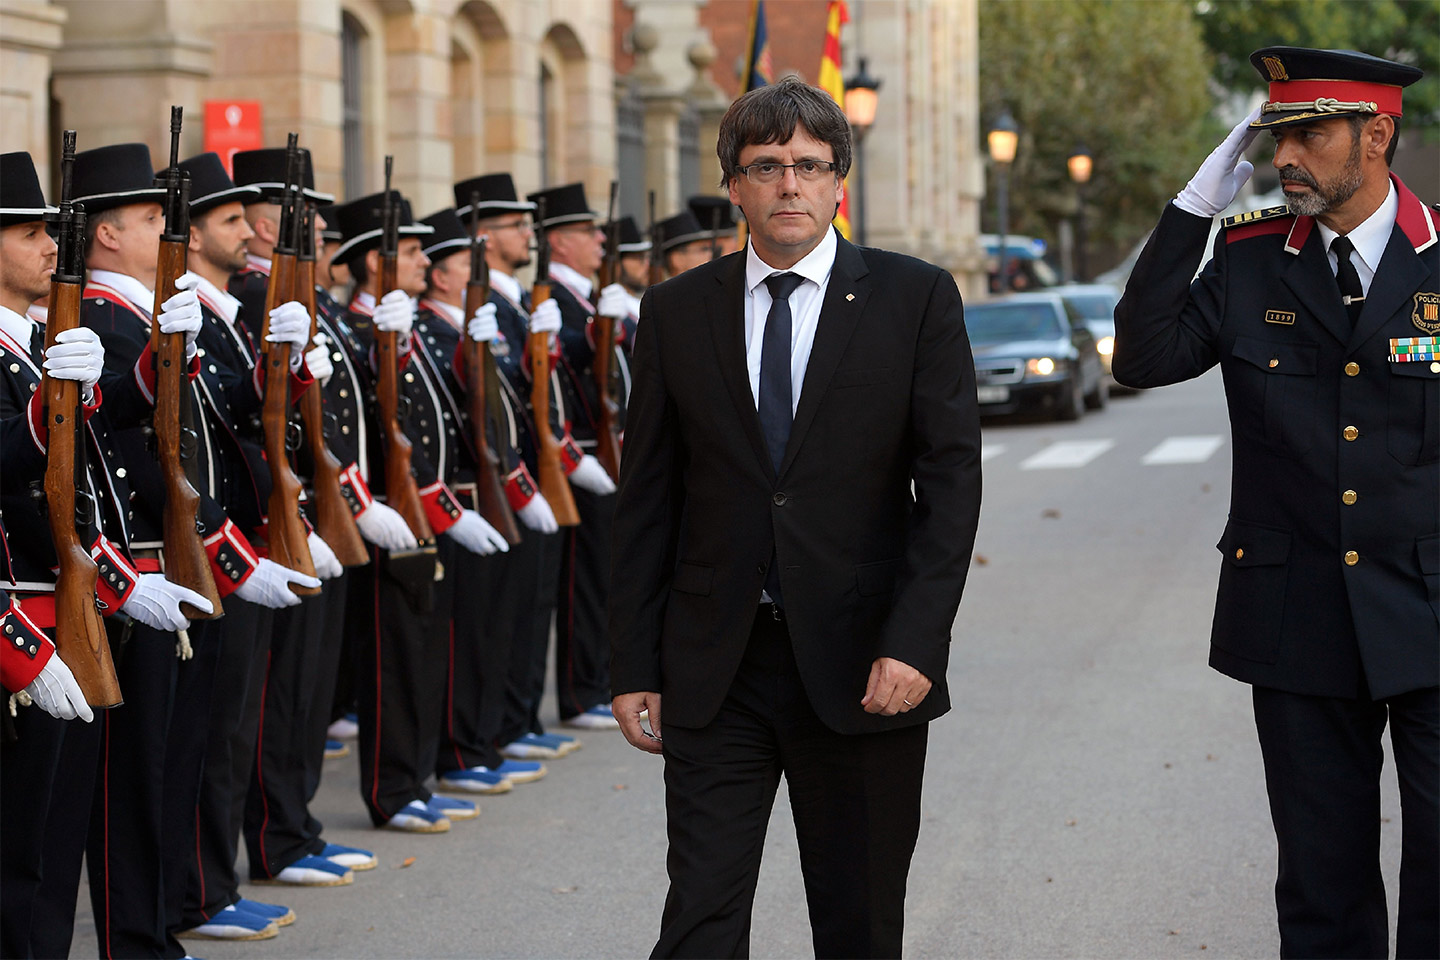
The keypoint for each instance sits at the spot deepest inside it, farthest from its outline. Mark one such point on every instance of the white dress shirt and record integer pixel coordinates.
(19, 330)
(128, 287)
(1370, 239)
(805, 305)
(508, 287)
(572, 279)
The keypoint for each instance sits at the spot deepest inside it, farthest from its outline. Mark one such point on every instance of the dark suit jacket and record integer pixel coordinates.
(868, 569)
(1335, 446)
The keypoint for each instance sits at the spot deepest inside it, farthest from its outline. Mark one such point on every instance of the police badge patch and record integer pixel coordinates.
(1427, 312)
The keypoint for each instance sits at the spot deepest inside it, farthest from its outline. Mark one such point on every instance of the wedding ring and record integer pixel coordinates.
(907, 702)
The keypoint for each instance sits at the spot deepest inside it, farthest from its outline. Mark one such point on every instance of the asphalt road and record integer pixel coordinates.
(1096, 791)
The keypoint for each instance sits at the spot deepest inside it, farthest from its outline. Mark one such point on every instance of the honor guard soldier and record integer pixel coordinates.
(716, 216)
(634, 277)
(582, 673)
(1323, 315)
(684, 243)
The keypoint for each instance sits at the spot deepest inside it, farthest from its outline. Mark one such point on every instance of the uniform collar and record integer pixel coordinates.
(1372, 236)
(258, 264)
(571, 278)
(17, 328)
(218, 300)
(454, 314)
(127, 286)
(507, 286)
(815, 266)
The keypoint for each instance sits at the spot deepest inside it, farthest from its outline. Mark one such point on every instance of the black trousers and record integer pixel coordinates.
(212, 883)
(329, 659)
(537, 569)
(582, 649)
(276, 812)
(1323, 758)
(856, 804)
(478, 653)
(399, 677)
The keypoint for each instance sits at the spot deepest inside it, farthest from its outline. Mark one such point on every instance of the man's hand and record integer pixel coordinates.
(269, 585)
(546, 317)
(483, 326)
(590, 475)
(55, 691)
(385, 528)
(77, 354)
(613, 302)
(395, 314)
(627, 709)
(181, 313)
(894, 687)
(1222, 174)
(156, 601)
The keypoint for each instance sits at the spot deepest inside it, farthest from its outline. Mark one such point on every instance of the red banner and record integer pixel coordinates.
(232, 126)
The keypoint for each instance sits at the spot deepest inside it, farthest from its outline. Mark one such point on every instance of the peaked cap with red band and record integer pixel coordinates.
(1308, 84)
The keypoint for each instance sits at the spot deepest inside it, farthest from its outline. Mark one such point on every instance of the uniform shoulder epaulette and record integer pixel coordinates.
(1255, 216)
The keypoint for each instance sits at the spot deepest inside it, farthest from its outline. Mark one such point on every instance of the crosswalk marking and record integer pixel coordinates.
(1183, 450)
(989, 451)
(1065, 454)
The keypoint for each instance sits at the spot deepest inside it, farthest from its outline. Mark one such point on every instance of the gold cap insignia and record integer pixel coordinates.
(1275, 68)
(1427, 312)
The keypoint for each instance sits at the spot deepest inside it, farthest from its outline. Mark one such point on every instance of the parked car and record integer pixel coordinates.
(1095, 302)
(1034, 351)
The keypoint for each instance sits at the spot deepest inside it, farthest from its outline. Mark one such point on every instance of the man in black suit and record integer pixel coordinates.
(1323, 316)
(776, 582)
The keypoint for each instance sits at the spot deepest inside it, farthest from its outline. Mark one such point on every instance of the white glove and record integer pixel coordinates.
(482, 326)
(78, 355)
(1223, 173)
(590, 475)
(614, 302)
(473, 533)
(327, 566)
(395, 313)
(385, 528)
(181, 313)
(546, 317)
(156, 601)
(317, 360)
(538, 516)
(290, 323)
(269, 585)
(55, 691)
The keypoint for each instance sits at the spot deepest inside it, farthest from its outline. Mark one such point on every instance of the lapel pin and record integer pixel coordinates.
(849, 296)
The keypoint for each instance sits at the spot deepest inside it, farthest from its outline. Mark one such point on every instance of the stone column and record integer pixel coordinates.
(710, 104)
(30, 33)
(417, 83)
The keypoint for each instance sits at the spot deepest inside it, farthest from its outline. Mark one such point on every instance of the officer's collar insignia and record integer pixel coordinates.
(1426, 315)
(1280, 316)
(1255, 216)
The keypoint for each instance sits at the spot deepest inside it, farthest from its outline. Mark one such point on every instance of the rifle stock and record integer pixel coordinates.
(483, 398)
(554, 485)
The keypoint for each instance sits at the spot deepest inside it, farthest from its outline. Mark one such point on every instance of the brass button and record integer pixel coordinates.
(1351, 558)
(1274, 361)
(1352, 368)
(1435, 366)
(1349, 497)
(1350, 433)
(1239, 553)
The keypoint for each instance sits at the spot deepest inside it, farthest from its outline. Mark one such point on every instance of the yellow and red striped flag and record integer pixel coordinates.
(834, 84)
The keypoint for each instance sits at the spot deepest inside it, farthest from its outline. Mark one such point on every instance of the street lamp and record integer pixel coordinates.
(861, 98)
(1081, 165)
(1003, 138)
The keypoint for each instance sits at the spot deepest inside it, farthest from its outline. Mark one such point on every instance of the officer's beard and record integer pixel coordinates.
(1326, 197)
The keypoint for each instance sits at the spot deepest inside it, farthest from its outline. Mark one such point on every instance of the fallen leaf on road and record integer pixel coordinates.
(563, 889)
(1070, 823)
(981, 559)
(1050, 513)
(407, 862)
(1203, 947)
(1049, 879)
(1169, 766)
(620, 786)
(1210, 756)
(1174, 933)
(1204, 488)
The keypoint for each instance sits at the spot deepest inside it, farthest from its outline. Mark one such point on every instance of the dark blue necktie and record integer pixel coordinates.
(1348, 278)
(776, 404)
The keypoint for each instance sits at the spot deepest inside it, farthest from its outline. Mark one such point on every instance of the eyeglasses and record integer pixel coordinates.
(767, 173)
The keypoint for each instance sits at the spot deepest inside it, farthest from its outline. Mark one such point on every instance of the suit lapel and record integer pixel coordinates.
(1312, 281)
(845, 298)
(1400, 274)
(726, 306)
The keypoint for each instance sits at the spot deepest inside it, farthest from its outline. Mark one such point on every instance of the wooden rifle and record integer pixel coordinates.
(607, 425)
(657, 236)
(400, 489)
(484, 392)
(554, 485)
(186, 562)
(333, 520)
(288, 539)
(79, 630)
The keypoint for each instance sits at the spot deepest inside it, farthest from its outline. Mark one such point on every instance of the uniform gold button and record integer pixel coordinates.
(1349, 497)
(1351, 558)
(1274, 361)
(1435, 366)
(1350, 433)
(1240, 553)
(1352, 369)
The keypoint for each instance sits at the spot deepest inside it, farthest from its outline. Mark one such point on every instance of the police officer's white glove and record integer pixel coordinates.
(385, 528)
(395, 314)
(327, 565)
(482, 325)
(538, 516)
(156, 601)
(290, 323)
(269, 585)
(590, 475)
(1223, 173)
(317, 360)
(55, 691)
(546, 317)
(181, 313)
(78, 355)
(614, 302)
(473, 533)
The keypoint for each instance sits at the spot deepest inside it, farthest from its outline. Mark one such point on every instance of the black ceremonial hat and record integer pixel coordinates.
(680, 229)
(497, 195)
(265, 169)
(450, 235)
(564, 205)
(21, 199)
(211, 186)
(359, 222)
(630, 239)
(332, 227)
(114, 176)
(705, 207)
(1308, 84)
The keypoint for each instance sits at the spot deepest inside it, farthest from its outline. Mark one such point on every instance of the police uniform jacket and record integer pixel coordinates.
(1330, 557)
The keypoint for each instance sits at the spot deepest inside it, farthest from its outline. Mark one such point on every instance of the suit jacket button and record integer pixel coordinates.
(1350, 433)
(779, 499)
(1352, 369)
(1349, 497)
(1351, 558)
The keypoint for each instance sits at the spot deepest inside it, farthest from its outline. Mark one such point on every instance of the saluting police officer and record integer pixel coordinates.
(1322, 315)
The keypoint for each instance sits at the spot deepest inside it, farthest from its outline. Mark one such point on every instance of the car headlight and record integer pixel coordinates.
(1105, 345)
(1040, 366)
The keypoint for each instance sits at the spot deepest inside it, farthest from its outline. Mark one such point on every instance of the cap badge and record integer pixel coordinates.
(1275, 68)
